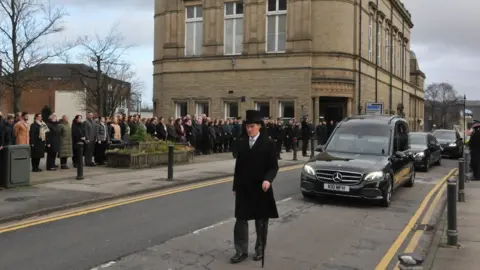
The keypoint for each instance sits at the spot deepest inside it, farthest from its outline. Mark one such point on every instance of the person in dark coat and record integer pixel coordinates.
(78, 136)
(474, 145)
(53, 142)
(255, 169)
(38, 138)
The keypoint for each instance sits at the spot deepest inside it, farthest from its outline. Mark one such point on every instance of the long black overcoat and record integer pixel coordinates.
(36, 143)
(252, 167)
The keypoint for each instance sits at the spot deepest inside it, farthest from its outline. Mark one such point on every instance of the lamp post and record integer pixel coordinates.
(464, 122)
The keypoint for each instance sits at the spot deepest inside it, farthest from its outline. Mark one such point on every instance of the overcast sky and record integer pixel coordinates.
(444, 38)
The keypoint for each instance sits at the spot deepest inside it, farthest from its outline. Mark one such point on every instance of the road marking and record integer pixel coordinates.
(412, 245)
(387, 258)
(120, 202)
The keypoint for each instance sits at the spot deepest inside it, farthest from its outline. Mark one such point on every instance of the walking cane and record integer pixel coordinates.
(265, 224)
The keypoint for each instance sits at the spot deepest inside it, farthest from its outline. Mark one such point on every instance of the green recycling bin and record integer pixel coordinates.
(15, 166)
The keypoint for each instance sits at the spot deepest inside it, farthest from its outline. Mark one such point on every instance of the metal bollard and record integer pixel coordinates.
(294, 149)
(312, 147)
(452, 233)
(170, 162)
(461, 180)
(79, 154)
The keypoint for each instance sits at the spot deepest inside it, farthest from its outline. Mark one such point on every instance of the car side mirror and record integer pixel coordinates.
(400, 154)
(319, 148)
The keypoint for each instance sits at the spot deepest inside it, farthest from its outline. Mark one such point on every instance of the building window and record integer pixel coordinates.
(231, 110)
(286, 109)
(394, 63)
(181, 109)
(387, 47)
(194, 31)
(201, 108)
(399, 57)
(264, 108)
(370, 38)
(276, 25)
(233, 28)
(379, 44)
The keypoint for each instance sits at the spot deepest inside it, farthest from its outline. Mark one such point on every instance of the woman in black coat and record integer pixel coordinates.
(53, 142)
(38, 137)
(78, 136)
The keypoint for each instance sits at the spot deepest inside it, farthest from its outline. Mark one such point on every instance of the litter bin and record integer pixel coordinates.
(15, 166)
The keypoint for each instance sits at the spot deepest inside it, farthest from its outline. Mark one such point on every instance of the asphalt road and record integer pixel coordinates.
(89, 240)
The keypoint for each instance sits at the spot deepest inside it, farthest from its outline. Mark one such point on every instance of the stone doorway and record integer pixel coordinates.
(333, 108)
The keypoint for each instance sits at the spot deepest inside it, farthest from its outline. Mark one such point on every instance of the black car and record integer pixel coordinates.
(366, 157)
(426, 150)
(451, 142)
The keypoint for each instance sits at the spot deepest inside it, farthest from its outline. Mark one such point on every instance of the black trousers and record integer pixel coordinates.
(240, 235)
(100, 149)
(51, 158)
(35, 163)
(89, 149)
(63, 161)
(278, 143)
(304, 145)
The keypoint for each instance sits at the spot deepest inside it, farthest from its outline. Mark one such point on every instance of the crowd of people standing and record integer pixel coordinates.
(57, 137)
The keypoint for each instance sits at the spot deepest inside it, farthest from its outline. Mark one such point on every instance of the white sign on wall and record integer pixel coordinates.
(374, 108)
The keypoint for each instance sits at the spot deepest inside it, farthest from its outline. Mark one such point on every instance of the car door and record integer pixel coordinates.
(438, 148)
(402, 164)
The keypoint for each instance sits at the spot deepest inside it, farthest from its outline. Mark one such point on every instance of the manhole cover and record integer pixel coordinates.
(19, 199)
(134, 184)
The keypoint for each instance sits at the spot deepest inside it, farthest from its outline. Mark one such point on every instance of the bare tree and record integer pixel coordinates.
(109, 69)
(24, 26)
(440, 97)
(123, 87)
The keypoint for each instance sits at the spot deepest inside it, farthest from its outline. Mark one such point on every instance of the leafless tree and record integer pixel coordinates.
(439, 97)
(24, 27)
(105, 85)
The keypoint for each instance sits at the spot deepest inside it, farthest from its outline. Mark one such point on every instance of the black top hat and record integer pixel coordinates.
(253, 117)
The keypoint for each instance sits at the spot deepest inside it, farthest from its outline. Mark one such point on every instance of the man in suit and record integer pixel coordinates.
(103, 140)
(91, 135)
(255, 169)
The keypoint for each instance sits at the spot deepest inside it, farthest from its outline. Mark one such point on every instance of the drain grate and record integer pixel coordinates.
(134, 184)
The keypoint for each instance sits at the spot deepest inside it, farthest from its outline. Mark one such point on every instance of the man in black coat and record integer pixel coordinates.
(474, 145)
(255, 169)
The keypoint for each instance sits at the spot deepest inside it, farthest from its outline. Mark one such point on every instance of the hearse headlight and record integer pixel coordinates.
(308, 170)
(374, 176)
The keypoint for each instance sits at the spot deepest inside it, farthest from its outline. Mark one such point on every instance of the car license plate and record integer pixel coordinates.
(336, 187)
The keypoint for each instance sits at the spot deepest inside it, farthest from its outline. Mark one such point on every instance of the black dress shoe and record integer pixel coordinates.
(239, 257)
(258, 257)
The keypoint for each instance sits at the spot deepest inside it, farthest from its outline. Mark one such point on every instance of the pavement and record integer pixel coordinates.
(466, 255)
(58, 190)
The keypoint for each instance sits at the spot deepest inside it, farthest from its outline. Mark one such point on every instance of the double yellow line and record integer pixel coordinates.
(120, 202)
(402, 237)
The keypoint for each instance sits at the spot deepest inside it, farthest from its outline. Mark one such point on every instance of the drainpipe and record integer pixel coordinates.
(377, 49)
(392, 54)
(403, 61)
(359, 110)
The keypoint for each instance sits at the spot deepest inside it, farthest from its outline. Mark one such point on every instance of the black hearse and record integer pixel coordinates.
(367, 156)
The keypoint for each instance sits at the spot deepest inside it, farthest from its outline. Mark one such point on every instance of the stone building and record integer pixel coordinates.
(286, 58)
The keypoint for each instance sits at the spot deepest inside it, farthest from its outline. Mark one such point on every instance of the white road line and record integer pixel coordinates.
(230, 219)
(105, 265)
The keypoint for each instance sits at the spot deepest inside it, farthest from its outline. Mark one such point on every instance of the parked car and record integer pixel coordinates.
(426, 150)
(366, 157)
(451, 142)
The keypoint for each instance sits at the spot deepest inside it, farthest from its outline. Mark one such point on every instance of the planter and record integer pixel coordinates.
(146, 159)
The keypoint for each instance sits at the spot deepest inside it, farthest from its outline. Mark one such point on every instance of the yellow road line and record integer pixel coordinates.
(412, 245)
(120, 202)
(387, 258)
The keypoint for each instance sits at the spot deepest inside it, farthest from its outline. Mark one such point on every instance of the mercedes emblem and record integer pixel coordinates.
(337, 177)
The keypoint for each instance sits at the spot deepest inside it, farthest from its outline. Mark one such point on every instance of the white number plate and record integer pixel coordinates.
(336, 187)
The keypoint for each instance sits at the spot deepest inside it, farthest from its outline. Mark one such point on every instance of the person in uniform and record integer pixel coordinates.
(255, 169)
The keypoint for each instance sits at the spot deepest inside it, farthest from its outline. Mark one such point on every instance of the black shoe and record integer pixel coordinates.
(239, 257)
(258, 257)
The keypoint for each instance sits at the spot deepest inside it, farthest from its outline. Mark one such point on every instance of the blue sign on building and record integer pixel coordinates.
(374, 108)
